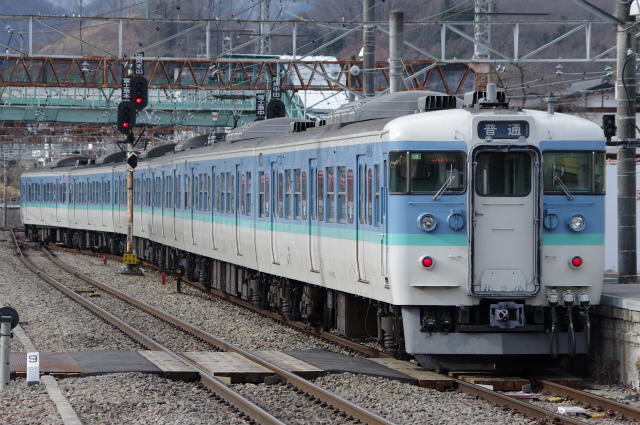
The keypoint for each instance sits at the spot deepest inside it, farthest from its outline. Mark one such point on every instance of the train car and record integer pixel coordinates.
(458, 232)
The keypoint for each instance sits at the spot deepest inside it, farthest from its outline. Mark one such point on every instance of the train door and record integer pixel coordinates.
(505, 233)
(274, 212)
(314, 240)
(361, 189)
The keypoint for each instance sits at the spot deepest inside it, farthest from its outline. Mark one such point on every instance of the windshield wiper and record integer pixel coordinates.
(563, 187)
(444, 187)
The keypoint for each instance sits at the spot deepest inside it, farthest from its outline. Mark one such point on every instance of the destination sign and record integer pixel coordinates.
(503, 129)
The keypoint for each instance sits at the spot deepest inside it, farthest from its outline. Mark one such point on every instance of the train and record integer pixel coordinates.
(458, 231)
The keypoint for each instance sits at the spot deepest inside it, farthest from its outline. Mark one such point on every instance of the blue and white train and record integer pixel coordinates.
(457, 232)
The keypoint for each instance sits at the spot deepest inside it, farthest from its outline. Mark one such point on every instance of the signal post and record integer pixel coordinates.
(135, 97)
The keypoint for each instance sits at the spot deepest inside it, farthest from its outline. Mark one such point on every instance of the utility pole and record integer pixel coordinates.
(368, 48)
(396, 49)
(627, 141)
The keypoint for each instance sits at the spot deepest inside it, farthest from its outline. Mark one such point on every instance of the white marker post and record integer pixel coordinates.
(33, 368)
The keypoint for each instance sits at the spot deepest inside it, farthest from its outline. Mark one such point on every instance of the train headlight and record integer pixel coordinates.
(427, 222)
(577, 223)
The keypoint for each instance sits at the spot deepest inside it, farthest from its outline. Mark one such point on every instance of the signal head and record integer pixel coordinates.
(139, 92)
(126, 117)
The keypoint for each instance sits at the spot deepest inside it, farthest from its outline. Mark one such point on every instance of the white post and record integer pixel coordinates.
(5, 355)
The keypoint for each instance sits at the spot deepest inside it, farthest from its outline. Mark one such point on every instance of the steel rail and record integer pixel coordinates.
(540, 414)
(354, 346)
(288, 377)
(252, 410)
(588, 399)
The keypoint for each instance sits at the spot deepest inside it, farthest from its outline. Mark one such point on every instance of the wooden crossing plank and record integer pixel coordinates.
(231, 365)
(290, 363)
(425, 378)
(171, 367)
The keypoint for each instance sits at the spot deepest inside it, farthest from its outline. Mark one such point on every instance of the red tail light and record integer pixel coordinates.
(427, 262)
(576, 262)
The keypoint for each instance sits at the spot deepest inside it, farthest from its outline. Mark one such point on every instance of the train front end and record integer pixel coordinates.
(496, 234)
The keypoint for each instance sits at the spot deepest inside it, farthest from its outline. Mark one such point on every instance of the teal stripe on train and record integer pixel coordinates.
(575, 239)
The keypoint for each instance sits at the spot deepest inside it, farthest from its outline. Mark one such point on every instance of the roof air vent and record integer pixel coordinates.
(437, 102)
(491, 98)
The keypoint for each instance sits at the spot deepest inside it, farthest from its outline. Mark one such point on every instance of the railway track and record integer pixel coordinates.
(297, 384)
(321, 398)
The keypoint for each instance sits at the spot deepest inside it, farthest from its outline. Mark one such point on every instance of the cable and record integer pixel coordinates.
(572, 332)
(626, 89)
(554, 347)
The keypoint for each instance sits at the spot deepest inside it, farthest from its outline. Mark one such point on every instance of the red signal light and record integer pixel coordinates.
(125, 124)
(138, 100)
(576, 262)
(427, 262)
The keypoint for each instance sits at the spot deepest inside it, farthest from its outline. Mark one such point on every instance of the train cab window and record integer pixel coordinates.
(398, 171)
(580, 172)
(330, 208)
(297, 198)
(320, 186)
(288, 195)
(280, 195)
(248, 195)
(503, 174)
(342, 194)
(304, 195)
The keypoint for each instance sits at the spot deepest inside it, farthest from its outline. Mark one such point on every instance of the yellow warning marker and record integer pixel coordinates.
(554, 399)
(94, 294)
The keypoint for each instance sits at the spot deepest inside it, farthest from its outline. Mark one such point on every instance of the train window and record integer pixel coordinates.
(304, 195)
(231, 191)
(178, 187)
(342, 194)
(599, 174)
(350, 196)
(503, 174)
(248, 200)
(361, 193)
(107, 199)
(123, 188)
(330, 194)
(196, 197)
(201, 199)
(575, 171)
(376, 204)
(207, 192)
(320, 186)
(116, 192)
(241, 196)
(187, 192)
(297, 197)
(267, 194)
(431, 171)
(398, 172)
(280, 195)
(261, 197)
(287, 203)
(369, 195)
(274, 193)
(314, 194)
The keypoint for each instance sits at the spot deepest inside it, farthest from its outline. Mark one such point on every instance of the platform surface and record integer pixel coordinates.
(626, 296)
